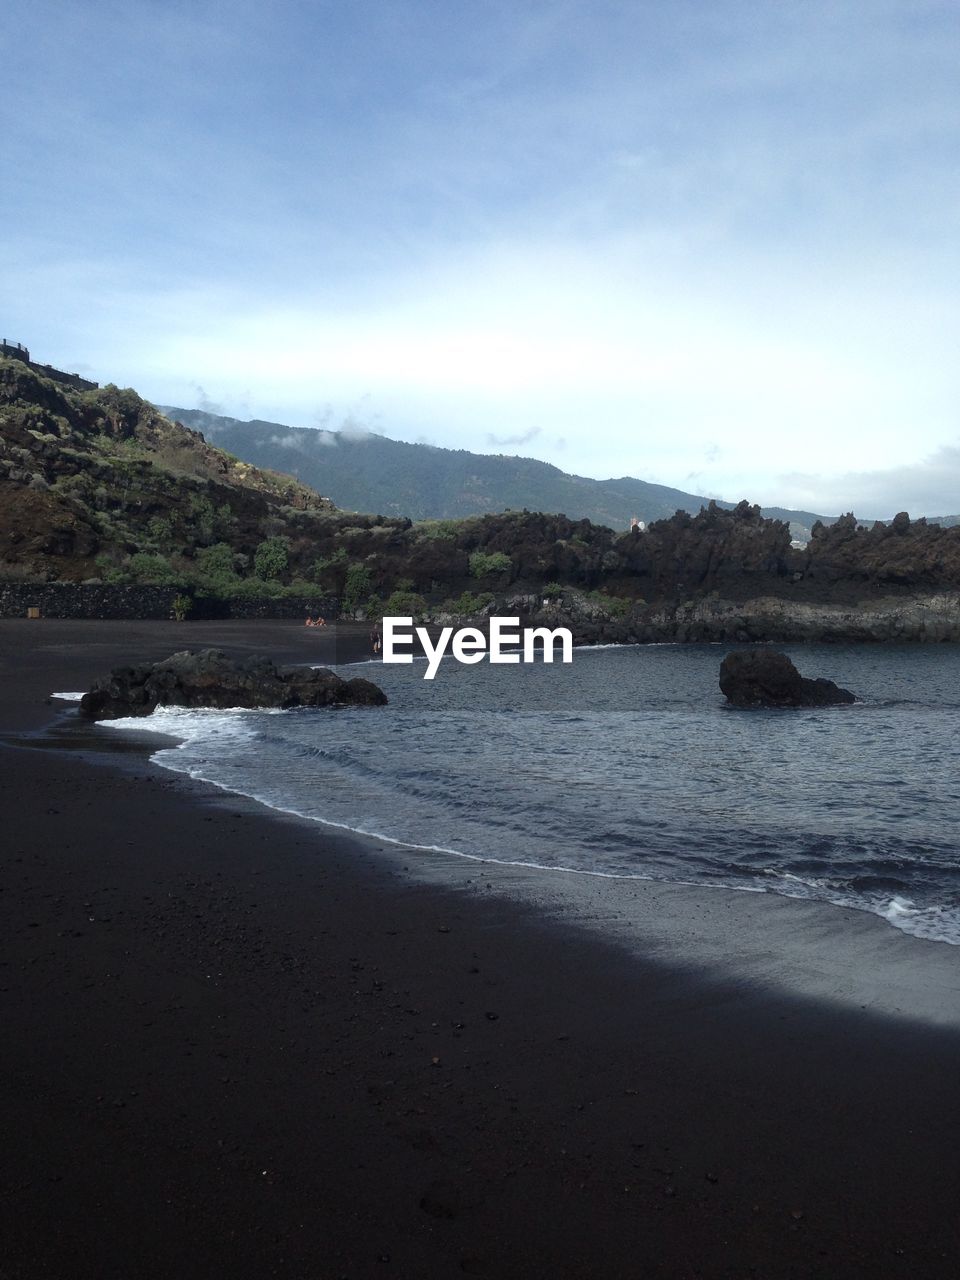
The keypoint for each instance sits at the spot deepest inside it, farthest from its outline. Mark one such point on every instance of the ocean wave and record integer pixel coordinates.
(819, 807)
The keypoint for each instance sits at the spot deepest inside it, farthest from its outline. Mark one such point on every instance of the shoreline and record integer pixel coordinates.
(787, 945)
(270, 1053)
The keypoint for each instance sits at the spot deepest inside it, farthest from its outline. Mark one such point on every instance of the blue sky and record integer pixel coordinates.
(706, 243)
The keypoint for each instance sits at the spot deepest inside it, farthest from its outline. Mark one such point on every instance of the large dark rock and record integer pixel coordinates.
(211, 679)
(766, 678)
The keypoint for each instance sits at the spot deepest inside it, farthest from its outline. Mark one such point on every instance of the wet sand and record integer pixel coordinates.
(240, 1044)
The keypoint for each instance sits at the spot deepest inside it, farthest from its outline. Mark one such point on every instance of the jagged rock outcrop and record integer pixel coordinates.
(209, 678)
(717, 549)
(766, 678)
(904, 555)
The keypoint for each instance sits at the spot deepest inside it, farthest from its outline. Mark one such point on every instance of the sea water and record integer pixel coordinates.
(629, 763)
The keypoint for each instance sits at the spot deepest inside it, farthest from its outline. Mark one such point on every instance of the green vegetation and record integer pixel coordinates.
(271, 558)
(468, 605)
(160, 530)
(483, 563)
(405, 604)
(217, 569)
(217, 561)
(356, 587)
(203, 518)
(444, 529)
(151, 570)
(122, 405)
(330, 568)
(613, 606)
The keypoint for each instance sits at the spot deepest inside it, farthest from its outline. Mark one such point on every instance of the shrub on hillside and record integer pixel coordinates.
(469, 604)
(404, 604)
(444, 529)
(271, 558)
(613, 606)
(356, 587)
(151, 570)
(484, 563)
(330, 570)
(216, 561)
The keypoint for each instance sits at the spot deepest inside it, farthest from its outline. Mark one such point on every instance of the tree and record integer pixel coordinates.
(357, 587)
(271, 558)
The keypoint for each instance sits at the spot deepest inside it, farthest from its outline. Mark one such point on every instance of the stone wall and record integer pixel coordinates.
(75, 600)
(68, 379)
(327, 606)
(17, 351)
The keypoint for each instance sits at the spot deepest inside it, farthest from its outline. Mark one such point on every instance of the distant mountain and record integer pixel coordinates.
(369, 472)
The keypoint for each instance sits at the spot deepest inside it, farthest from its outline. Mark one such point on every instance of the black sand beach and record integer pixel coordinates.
(237, 1044)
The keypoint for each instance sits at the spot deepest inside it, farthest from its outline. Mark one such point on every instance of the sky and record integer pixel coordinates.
(708, 243)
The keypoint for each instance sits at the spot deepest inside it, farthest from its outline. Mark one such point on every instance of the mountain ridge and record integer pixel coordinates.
(366, 471)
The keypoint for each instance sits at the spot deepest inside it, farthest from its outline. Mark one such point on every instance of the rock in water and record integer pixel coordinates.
(766, 678)
(211, 679)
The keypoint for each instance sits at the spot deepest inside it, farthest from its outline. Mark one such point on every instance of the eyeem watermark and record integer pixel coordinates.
(506, 643)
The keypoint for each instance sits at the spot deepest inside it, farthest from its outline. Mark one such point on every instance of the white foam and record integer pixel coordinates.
(595, 648)
(936, 924)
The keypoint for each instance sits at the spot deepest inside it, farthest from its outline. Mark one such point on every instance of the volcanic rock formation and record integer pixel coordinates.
(766, 678)
(211, 679)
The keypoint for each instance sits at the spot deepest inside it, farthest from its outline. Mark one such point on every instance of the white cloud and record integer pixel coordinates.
(640, 363)
(351, 429)
(519, 438)
(927, 488)
(203, 401)
(650, 229)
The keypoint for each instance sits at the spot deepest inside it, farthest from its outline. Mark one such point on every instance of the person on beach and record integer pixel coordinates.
(375, 639)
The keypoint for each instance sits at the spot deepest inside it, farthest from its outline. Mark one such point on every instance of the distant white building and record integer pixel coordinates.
(637, 523)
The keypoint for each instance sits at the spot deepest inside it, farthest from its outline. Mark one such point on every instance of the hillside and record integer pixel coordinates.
(91, 479)
(369, 472)
(97, 486)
